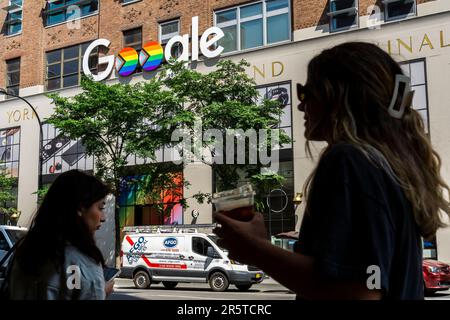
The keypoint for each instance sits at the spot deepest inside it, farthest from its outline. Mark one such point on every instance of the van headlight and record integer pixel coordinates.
(235, 262)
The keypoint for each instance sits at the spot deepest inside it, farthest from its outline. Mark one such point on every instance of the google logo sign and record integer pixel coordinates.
(150, 58)
(153, 54)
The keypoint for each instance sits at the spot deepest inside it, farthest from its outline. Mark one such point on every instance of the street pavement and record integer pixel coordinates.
(440, 295)
(267, 290)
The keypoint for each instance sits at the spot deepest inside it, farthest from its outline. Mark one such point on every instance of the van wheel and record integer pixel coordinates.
(169, 284)
(218, 282)
(142, 280)
(243, 287)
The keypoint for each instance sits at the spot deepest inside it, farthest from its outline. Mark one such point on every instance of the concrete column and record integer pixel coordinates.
(199, 176)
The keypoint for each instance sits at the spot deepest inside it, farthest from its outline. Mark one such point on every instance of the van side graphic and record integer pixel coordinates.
(146, 260)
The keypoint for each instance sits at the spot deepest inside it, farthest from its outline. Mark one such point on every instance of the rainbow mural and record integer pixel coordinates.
(151, 56)
(130, 196)
(127, 62)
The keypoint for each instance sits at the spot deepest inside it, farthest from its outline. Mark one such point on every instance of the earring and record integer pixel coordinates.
(79, 213)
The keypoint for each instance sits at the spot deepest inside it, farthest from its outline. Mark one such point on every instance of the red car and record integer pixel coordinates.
(436, 276)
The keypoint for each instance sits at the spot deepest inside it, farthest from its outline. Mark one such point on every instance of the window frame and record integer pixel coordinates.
(11, 9)
(204, 240)
(132, 44)
(290, 127)
(332, 15)
(425, 84)
(12, 163)
(386, 15)
(163, 41)
(127, 2)
(62, 61)
(264, 16)
(84, 162)
(63, 9)
(8, 72)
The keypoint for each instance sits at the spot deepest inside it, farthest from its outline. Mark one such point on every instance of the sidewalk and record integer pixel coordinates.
(270, 281)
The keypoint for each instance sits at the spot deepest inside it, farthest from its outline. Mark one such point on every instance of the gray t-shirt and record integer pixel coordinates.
(48, 285)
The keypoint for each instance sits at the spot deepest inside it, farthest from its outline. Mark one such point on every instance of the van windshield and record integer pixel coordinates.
(214, 238)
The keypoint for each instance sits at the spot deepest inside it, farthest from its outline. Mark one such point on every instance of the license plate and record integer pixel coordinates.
(258, 275)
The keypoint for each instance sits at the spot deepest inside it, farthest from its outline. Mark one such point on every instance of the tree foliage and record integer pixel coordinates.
(120, 120)
(7, 196)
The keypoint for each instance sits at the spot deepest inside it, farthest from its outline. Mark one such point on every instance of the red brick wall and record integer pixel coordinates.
(114, 18)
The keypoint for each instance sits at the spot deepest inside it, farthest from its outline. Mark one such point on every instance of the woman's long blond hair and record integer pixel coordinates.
(355, 82)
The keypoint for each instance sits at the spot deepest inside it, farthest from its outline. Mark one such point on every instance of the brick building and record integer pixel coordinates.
(43, 45)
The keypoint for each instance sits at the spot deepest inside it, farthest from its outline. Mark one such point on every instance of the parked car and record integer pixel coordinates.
(436, 275)
(9, 235)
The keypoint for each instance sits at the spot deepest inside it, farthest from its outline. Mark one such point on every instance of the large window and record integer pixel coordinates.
(254, 25)
(282, 93)
(139, 206)
(168, 30)
(13, 23)
(9, 162)
(133, 39)
(398, 9)
(60, 154)
(343, 14)
(278, 210)
(10, 151)
(416, 70)
(58, 11)
(13, 76)
(64, 66)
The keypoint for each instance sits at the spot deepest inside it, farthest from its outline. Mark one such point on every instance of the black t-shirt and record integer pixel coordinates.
(359, 217)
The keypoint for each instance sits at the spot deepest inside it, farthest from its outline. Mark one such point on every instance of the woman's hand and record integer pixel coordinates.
(109, 287)
(242, 239)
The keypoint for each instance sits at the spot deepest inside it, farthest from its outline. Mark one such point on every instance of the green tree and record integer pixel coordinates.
(7, 197)
(116, 121)
(227, 99)
(41, 194)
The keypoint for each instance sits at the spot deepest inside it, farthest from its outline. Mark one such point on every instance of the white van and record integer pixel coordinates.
(181, 255)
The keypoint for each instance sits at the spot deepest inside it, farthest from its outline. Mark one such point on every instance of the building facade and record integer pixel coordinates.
(44, 42)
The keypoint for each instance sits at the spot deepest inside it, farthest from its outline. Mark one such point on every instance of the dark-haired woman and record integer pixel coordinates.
(58, 258)
(375, 192)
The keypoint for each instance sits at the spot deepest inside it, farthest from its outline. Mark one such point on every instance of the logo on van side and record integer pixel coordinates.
(136, 250)
(170, 242)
